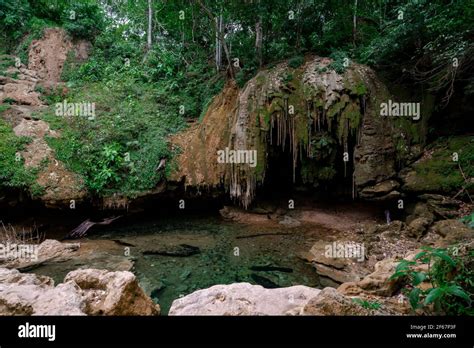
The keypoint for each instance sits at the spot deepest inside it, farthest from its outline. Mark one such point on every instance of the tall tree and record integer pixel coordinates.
(258, 40)
(219, 34)
(150, 26)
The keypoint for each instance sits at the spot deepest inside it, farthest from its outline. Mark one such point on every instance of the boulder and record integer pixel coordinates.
(420, 209)
(442, 207)
(112, 293)
(380, 190)
(22, 92)
(29, 294)
(332, 302)
(452, 231)
(335, 270)
(418, 227)
(376, 283)
(243, 299)
(84, 292)
(49, 250)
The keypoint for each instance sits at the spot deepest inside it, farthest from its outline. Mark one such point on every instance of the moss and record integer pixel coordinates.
(301, 130)
(4, 107)
(440, 172)
(260, 80)
(354, 84)
(336, 108)
(359, 89)
(261, 161)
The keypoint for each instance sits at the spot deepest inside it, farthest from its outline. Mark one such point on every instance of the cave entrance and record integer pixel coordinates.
(279, 174)
(321, 173)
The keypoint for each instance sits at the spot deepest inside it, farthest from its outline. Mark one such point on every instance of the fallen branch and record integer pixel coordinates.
(81, 230)
(263, 234)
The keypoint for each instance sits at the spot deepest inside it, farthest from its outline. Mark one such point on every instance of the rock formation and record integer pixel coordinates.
(84, 292)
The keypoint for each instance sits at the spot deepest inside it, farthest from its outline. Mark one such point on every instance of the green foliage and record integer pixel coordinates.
(429, 34)
(83, 20)
(450, 273)
(22, 21)
(12, 172)
(120, 150)
(373, 305)
(339, 61)
(296, 62)
(246, 73)
(441, 172)
(469, 220)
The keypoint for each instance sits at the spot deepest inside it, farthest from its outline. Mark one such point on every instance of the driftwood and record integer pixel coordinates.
(81, 230)
(263, 234)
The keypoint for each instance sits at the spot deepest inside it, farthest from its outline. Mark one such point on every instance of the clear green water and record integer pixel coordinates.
(225, 257)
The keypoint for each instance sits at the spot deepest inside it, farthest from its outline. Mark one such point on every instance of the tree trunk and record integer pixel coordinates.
(219, 30)
(354, 20)
(221, 37)
(150, 16)
(258, 41)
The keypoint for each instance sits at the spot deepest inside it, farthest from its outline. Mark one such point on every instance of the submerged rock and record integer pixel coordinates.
(263, 281)
(243, 299)
(180, 250)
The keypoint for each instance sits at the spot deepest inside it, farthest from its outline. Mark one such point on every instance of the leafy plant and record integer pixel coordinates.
(450, 275)
(339, 61)
(469, 220)
(12, 171)
(373, 305)
(296, 62)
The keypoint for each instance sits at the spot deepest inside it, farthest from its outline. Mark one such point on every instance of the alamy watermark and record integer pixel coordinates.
(392, 108)
(84, 109)
(237, 156)
(16, 251)
(345, 250)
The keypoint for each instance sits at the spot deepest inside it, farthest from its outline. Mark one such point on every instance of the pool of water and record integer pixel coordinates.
(222, 253)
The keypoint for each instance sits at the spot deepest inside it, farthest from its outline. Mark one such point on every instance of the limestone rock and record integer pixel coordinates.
(332, 302)
(112, 293)
(288, 221)
(243, 299)
(442, 207)
(84, 292)
(22, 93)
(49, 250)
(29, 294)
(418, 227)
(382, 189)
(376, 283)
(335, 270)
(452, 231)
(420, 209)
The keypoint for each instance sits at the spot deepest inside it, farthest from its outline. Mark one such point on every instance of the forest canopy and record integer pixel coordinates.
(156, 65)
(419, 37)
